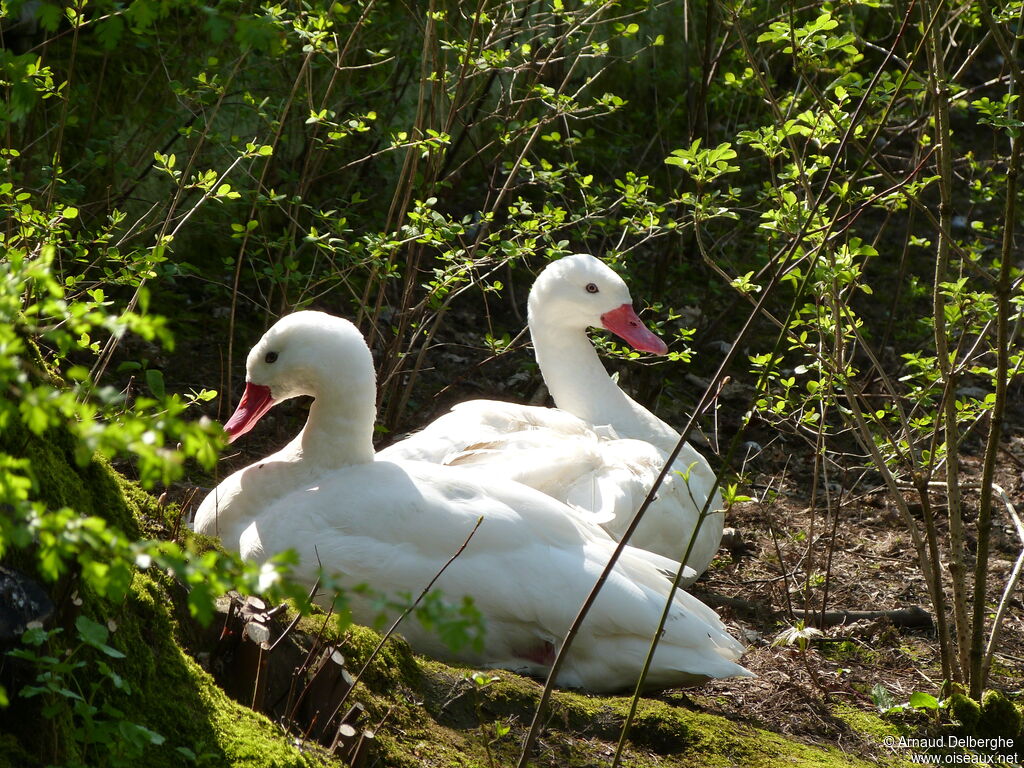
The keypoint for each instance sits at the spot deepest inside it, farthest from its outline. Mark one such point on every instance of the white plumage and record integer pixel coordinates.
(393, 525)
(599, 451)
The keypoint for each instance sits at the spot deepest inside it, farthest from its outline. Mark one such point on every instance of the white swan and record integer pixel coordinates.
(393, 525)
(566, 453)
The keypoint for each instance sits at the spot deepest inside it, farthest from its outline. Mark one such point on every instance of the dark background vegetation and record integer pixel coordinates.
(817, 201)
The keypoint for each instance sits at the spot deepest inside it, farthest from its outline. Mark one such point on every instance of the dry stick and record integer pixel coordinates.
(55, 161)
(854, 121)
(886, 381)
(819, 470)
(930, 573)
(839, 350)
(396, 216)
(406, 612)
(864, 435)
(901, 277)
(456, 113)
(818, 203)
(535, 133)
(108, 350)
(929, 567)
(463, 77)
(292, 702)
(432, 322)
(969, 263)
(107, 353)
(669, 604)
(363, 316)
(719, 377)
(240, 258)
(773, 103)
(308, 176)
(396, 406)
(294, 622)
(847, 137)
(1011, 585)
(932, 539)
(979, 664)
(847, 219)
(545, 696)
(786, 574)
(957, 567)
(620, 546)
(832, 549)
(512, 346)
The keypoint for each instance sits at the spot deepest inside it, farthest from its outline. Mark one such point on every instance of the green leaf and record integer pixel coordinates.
(34, 636)
(142, 13)
(109, 32)
(881, 698)
(217, 27)
(155, 382)
(112, 653)
(201, 603)
(920, 700)
(92, 633)
(50, 17)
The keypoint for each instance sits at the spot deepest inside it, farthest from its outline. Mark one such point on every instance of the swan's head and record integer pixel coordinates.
(579, 292)
(304, 353)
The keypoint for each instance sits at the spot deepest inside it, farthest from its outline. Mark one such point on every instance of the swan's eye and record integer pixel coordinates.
(271, 357)
(591, 288)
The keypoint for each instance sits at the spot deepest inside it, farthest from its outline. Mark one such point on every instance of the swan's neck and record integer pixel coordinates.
(579, 384)
(339, 430)
(575, 377)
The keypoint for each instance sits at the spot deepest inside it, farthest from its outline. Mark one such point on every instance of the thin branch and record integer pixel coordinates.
(406, 612)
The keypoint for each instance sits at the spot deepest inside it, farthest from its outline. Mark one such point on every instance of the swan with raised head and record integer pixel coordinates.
(393, 525)
(599, 451)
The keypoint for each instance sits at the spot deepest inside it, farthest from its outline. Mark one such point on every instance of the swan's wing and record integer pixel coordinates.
(670, 521)
(606, 496)
(507, 418)
(568, 467)
(476, 422)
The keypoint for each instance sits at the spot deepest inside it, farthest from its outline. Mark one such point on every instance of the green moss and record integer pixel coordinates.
(581, 729)
(393, 665)
(966, 711)
(164, 689)
(847, 650)
(870, 724)
(1006, 672)
(659, 727)
(61, 482)
(12, 753)
(999, 716)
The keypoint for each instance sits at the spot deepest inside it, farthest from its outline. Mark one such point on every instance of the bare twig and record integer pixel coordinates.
(1011, 585)
(406, 612)
(980, 661)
